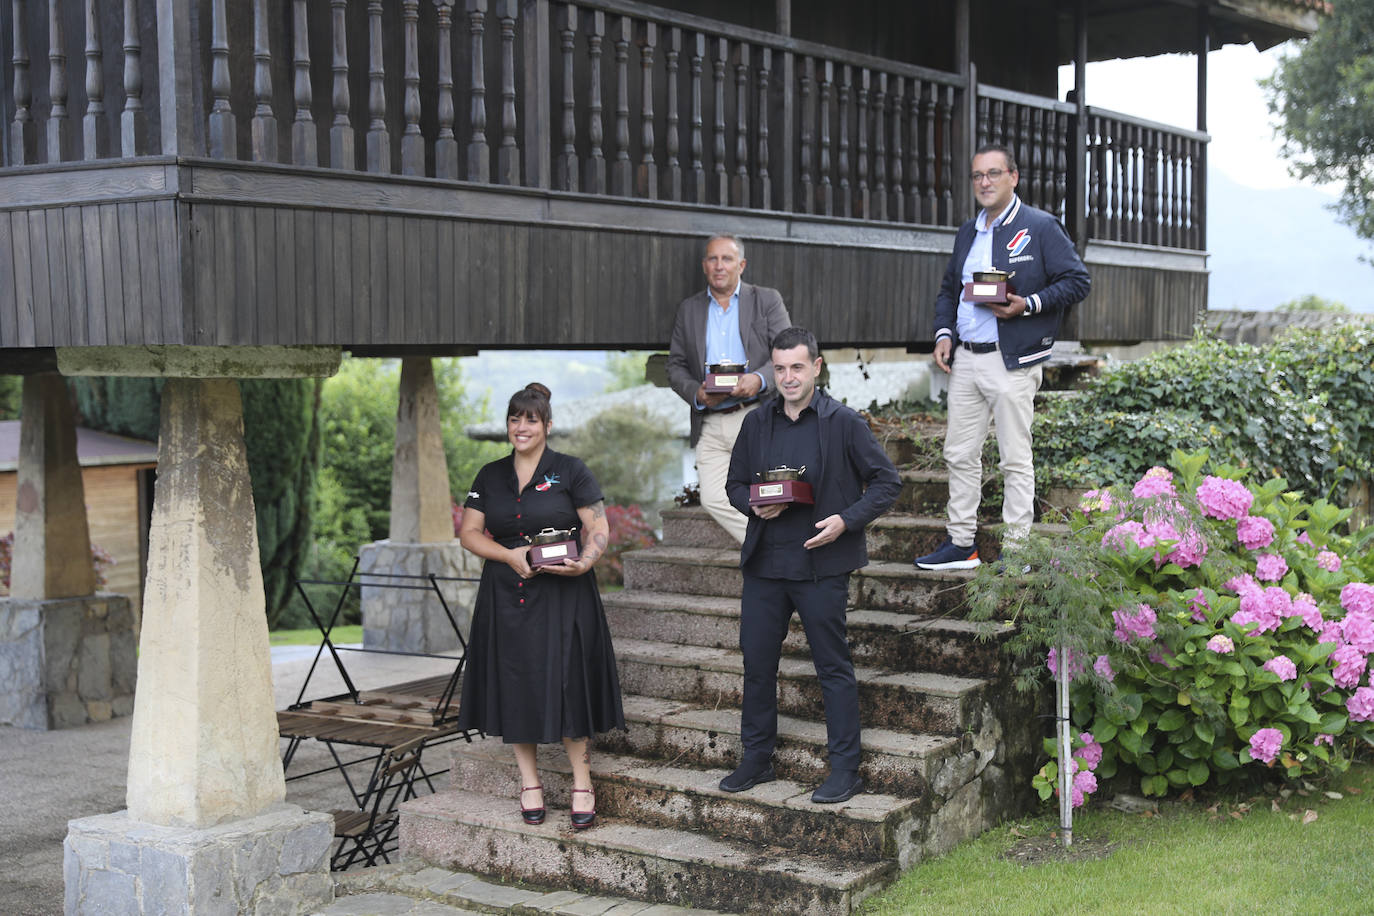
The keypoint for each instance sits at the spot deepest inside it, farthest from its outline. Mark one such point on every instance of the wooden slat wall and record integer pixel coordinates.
(1138, 303)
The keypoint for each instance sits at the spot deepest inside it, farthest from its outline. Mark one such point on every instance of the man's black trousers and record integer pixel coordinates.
(766, 608)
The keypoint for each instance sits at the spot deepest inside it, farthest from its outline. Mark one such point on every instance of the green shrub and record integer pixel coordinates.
(629, 453)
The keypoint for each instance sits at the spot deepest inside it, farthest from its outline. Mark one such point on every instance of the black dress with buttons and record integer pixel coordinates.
(540, 664)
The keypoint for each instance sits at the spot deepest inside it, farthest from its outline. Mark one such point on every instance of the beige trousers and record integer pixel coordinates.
(982, 389)
(718, 434)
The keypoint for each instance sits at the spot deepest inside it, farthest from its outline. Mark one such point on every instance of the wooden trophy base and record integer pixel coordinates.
(552, 554)
(771, 492)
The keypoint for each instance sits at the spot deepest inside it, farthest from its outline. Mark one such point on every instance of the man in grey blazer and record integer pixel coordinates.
(729, 321)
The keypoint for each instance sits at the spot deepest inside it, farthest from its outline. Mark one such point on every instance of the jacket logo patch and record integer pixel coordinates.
(1018, 242)
(549, 480)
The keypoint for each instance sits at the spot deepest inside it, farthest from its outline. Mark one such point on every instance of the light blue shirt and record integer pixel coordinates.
(976, 322)
(723, 341)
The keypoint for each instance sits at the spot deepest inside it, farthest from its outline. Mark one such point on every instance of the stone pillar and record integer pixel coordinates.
(422, 541)
(66, 654)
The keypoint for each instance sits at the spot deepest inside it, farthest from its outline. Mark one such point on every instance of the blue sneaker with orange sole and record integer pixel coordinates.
(949, 555)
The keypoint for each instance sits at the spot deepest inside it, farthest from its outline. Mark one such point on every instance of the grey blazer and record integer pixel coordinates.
(762, 315)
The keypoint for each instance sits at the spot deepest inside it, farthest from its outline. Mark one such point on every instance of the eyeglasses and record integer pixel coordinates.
(990, 175)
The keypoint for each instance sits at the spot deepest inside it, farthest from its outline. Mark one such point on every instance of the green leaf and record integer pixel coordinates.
(1177, 777)
(1171, 720)
(1239, 714)
(1103, 731)
(1199, 773)
(1203, 729)
(1147, 763)
(1129, 739)
(1161, 784)
(1225, 759)
(1333, 723)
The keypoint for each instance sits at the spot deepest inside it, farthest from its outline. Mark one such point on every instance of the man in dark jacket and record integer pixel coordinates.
(1000, 347)
(798, 556)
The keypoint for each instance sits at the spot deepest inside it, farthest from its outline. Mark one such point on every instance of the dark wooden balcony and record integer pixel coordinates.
(403, 174)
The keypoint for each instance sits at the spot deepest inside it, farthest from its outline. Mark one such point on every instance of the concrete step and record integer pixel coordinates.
(868, 827)
(715, 572)
(903, 700)
(883, 639)
(899, 763)
(484, 833)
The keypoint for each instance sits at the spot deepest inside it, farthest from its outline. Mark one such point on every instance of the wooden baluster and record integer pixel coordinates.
(764, 195)
(23, 131)
(479, 156)
(808, 131)
(880, 163)
(1039, 161)
(223, 129)
(895, 206)
(304, 141)
(446, 144)
(264, 122)
(568, 166)
(1150, 213)
(1116, 148)
(1025, 156)
(722, 180)
(646, 184)
(672, 142)
(998, 125)
(1137, 169)
(846, 200)
(1061, 165)
(983, 105)
(739, 193)
(862, 202)
(826, 202)
(59, 125)
(695, 145)
(1179, 185)
(95, 130)
(913, 153)
(508, 157)
(378, 137)
(946, 113)
(1102, 211)
(931, 209)
(1197, 172)
(412, 143)
(596, 162)
(1165, 172)
(341, 155)
(620, 168)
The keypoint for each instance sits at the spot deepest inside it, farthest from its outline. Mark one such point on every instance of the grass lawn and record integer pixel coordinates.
(311, 637)
(1234, 856)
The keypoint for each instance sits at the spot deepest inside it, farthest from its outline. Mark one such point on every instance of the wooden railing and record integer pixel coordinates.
(601, 97)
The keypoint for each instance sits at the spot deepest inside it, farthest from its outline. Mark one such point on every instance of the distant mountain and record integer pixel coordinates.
(1270, 246)
(570, 374)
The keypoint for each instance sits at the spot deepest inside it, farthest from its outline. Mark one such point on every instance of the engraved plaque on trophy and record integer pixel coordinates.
(988, 286)
(721, 378)
(552, 546)
(781, 485)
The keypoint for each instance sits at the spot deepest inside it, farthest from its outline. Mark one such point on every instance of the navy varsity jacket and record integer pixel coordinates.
(1048, 273)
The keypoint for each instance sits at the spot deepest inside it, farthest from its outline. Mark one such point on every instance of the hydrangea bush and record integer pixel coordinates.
(1211, 627)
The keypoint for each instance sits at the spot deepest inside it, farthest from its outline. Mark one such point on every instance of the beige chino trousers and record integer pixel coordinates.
(718, 434)
(983, 390)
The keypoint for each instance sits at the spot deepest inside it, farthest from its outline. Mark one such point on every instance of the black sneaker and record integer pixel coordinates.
(840, 785)
(949, 555)
(747, 775)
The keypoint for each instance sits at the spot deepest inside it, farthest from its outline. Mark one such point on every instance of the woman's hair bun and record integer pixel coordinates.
(539, 389)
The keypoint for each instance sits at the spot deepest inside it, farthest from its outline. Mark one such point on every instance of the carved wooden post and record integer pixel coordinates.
(879, 198)
(698, 168)
(378, 137)
(537, 104)
(764, 193)
(595, 182)
(1061, 165)
(672, 142)
(23, 131)
(620, 166)
(825, 194)
(913, 153)
(304, 143)
(861, 201)
(996, 116)
(946, 110)
(479, 157)
(722, 180)
(341, 154)
(223, 132)
(739, 193)
(446, 145)
(646, 183)
(508, 157)
(846, 207)
(931, 209)
(808, 132)
(1040, 162)
(95, 130)
(264, 123)
(412, 143)
(898, 93)
(567, 160)
(59, 126)
(984, 103)
(1029, 176)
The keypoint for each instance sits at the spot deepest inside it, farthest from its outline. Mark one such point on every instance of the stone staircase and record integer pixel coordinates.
(947, 744)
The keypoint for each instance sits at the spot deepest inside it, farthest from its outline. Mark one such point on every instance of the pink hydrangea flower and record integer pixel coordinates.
(1140, 623)
(1330, 632)
(1305, 606)
(1358, 598)
(1265, 744)
(1084, 781)
(1221, 645)
(1091, 751)
(1095, 501)
(1360, 705)
(1282, 666)
(1221, 498)
(1242, 584)
(1358, 630)
(1328, 561)
(1306, 541)
(1328, 740)
(1254, 532)
(1103, 667)
(1199, 606)
(1267, 607)
(1270, 567)
(1157, 481)
(1075, 663)
(1349, 664)
(1121, 536)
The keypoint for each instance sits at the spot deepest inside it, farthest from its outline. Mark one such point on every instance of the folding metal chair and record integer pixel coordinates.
(367, 834)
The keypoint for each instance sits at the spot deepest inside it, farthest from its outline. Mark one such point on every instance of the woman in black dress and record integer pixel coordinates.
(540, 665)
